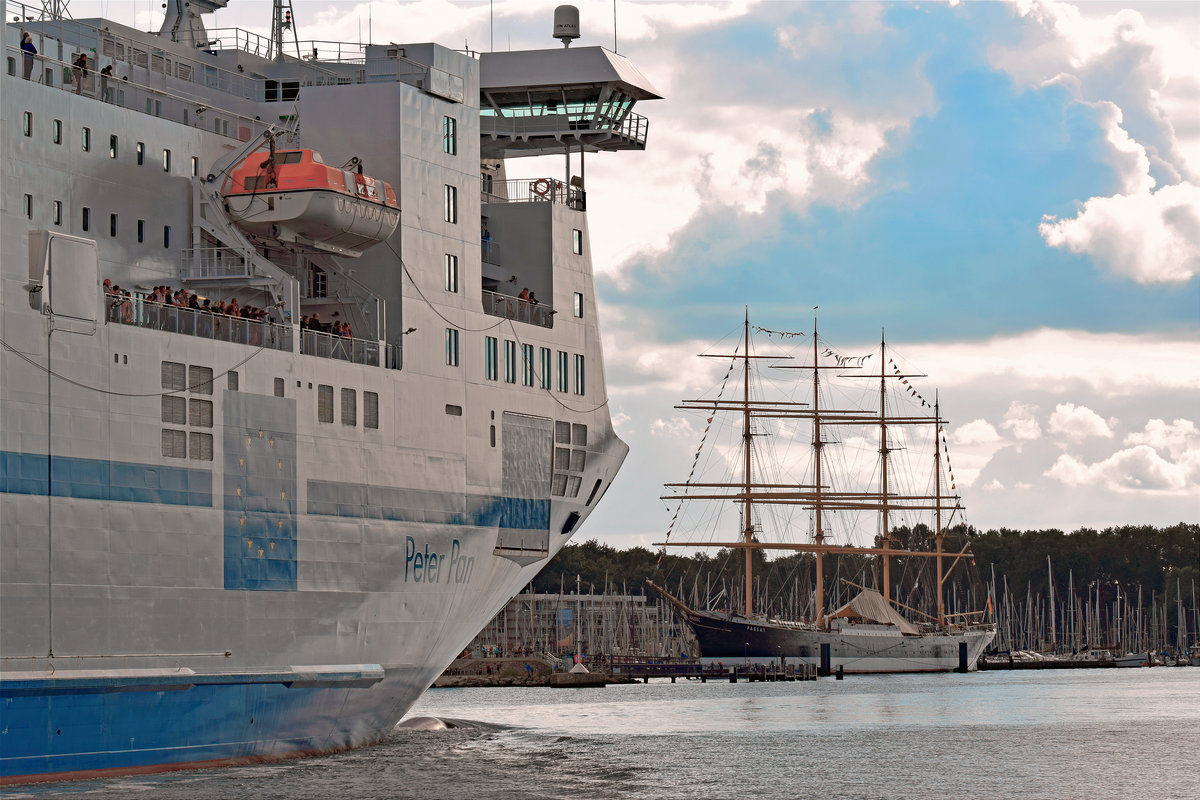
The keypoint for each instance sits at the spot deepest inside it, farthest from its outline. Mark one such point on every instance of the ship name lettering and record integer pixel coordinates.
(461, 565)
(423, 566)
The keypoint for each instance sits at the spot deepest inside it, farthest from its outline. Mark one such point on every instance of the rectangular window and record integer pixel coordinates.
(174, 444)
(141, 230)
(349, 407)
(86, 140)
(577, 241)
(510, 361)
(324, 403)
(491, 367)
(27, 123)
(450, 135)
(279, 387)
(174, 409)
(112, 146)
(86, 219)
(579, 374)
(201, 445)
(200, 413)
(232, 381)
(58, 212)
(564, 383)
(547, 366)
(451, 273)
(527, 364)
(370, 410)
(450, 212)
(174, 376)
(577, 310)
(452, 347)
(141, 153)
(112, 224)
(27, 206)
(167, 236)
(195, 166)
(166, 160)
(200, 380)
(56, 131)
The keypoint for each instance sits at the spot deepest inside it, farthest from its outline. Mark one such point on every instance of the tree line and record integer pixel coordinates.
(1124, 558)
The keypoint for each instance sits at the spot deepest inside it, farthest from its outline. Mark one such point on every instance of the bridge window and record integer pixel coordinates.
(370, 410)
(141, 153)
(56, 131)
(450, 135)
(451, 347)
(451, 273)
(546, 367)
(579, 374)
(27, 123)
(86, 140)
(510, 361)
(564, 382)
(112, 146)
(27, 206)
(58, 212)
(577, 309)
(527, 364)
(166, 161)
(450, 212)
(324, 403)
(577, 241)
(491, 367)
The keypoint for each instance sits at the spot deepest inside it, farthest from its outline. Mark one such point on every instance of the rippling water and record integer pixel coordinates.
(1070, 733)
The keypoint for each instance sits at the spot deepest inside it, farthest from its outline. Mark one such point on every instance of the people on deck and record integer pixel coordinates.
(28, 52)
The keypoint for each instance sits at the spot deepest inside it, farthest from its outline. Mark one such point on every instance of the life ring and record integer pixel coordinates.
(542, 186)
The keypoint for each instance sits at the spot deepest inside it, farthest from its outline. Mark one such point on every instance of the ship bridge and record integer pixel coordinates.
(540, 102)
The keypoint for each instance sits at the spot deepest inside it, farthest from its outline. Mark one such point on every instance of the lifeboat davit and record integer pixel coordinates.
(292, 196)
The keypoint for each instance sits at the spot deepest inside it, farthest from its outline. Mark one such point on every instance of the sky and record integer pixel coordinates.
(1011, 189)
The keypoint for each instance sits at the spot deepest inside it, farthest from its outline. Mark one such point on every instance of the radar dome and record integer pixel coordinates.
(566, 24)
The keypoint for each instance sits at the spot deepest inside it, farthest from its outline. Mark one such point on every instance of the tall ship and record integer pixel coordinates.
(865, 402)
(297, 386)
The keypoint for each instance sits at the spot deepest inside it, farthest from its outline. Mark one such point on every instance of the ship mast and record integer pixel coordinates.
(819, 534)
(748, 533)
(937, 482)
(883, 470)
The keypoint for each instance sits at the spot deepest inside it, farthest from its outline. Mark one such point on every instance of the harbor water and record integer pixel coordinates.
(1072, 733)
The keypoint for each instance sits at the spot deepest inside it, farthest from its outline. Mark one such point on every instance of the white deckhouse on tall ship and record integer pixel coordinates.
(240, 531)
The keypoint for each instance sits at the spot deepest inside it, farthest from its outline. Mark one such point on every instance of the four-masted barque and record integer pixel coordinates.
(872, 632)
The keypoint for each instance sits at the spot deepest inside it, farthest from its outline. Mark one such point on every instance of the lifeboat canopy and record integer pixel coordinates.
(294, 197)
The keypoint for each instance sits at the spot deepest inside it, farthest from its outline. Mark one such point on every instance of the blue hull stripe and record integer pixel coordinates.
(334, 498)
(78, 725)
(94, 479)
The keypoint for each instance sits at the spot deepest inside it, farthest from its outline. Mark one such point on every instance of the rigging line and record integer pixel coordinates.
(542, 384)
(429, 303)
(74, 382)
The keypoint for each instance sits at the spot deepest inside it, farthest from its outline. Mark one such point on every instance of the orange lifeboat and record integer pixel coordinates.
(292, 196)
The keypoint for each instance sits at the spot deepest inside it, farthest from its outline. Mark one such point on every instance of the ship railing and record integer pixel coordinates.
(343, 348)
(516, 309)
(531, 190)
(140, 312)
(215, 262)
(192, 111)
(526, 122)
(491, 252)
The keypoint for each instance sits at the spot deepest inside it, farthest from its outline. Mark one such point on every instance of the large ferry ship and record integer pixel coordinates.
(297, 387)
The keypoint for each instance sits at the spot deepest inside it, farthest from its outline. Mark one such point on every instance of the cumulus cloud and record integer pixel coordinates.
(1151, 237)
(674, 428)
(1077, 422)
(976, 431)
(1021, 419)
(1139, 468)
(1140, 81)
(1174, 438)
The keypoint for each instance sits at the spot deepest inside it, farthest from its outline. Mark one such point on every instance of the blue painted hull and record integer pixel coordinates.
(74, 727)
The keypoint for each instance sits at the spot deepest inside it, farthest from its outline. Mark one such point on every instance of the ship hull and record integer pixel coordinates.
(854, 648)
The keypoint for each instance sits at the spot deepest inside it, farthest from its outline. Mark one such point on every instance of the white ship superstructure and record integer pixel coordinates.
(230, 538)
